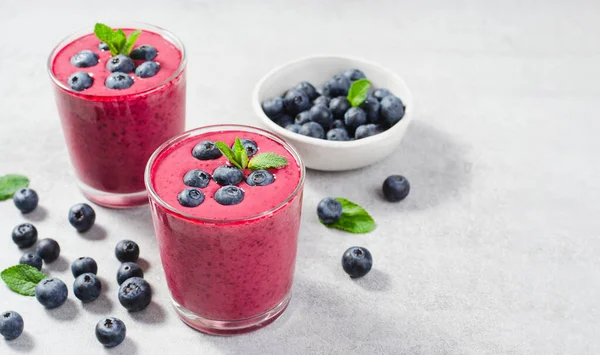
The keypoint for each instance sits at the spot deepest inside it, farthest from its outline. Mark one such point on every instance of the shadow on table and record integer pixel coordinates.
(101, 305)
(153, 314)
(128, 346)
(66, 313)
(97, 232)
(59, 265)
(39, 214)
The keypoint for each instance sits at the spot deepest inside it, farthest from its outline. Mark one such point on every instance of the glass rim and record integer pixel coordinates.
(169, 36)
(215, 128)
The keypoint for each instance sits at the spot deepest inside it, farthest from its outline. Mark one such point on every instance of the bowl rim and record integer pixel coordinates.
(387, 134)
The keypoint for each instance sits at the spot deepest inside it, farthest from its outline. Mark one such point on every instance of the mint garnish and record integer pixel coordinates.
(117, 41)
(228, 153)
(11, 183)
(22, 279)
(239, 157)
(358, 92)
(355, 219)
(267, 161)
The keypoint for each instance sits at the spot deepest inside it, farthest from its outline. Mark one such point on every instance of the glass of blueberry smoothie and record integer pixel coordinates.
(118, 99)
(227, 224)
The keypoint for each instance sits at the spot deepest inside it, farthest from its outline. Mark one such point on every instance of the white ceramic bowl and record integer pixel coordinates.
(321, 154)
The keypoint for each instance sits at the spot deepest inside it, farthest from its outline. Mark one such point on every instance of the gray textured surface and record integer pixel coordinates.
(494, 252)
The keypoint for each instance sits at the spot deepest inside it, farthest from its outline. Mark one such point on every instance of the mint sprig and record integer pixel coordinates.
(267, 161)
(239, 157)
(11, 183)
(22, 279)
(355, 219)
(358, 92)
(117, 41)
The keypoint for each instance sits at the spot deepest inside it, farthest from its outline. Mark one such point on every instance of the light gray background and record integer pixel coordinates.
(495, 251)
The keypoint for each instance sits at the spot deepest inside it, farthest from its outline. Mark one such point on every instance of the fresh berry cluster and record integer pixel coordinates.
(333, 113)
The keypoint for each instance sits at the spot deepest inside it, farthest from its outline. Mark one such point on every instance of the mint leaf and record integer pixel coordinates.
(355, 219)
(228, 153)
(133, 36)
(119, 40)
(240, 153)
(358, 92)
(267, 161)
(105, 34)
(22, 279)
(11, 183)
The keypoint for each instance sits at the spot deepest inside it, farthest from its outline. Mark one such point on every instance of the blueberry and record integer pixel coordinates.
(31, 260)
(127, 250)
(128, 270)
(260, 178)
(371, 108)
(357, 261)
(48, 249)
(196, 178)
(355, 117)
(273, 107)
(228, 175)
(84, 265)
(380, 93)
(337, 134)
(82, 217)
(296, 101)
(26, 199)
(338, 124)
(190, 197)
(338, 107)
(322, 100)
(147, 69)
(229, 195)
(80, 81)
(51, 293)
(293, 128)
(250, 146)
(366, 130)
(118, 81)
(354, 74)
(11, 325)
(87, 287)
(135, 294)
(110, 332)
(302, 118)
(329, 210)
(336, 86)
(84, 59)
(308, 89)
(120, 63)
(103, 46)
(312, 129)
(395, 188)
(206, 150)
(392, 109)
(284, 120)
(144, 52)
(321, 115)
(24, 235)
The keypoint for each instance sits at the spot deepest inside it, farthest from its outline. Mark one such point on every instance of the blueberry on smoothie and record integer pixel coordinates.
(118, 81)
(337, 134)
(357, 261)
(229, 195)
(371, 107)
(206, 150)
(296, 101)
(84, 59)
(395, 188)
(80, 81)
(260, 178)
(127, 250)
(366, 130)
(31, 260)
(110, 332)
(273, 107)
(24, 235)
(196, 178)
(329, 210)
(120, 63)
(87, 287)
(228, 175)
(250, 146)
(147, 69)
(380, 93)
(128, 270)
(144, 52)
(321, 115)
(354, 74)
(190, 197)
(338, 107)
(48, 249)
(312, 129)
(26, 200)
(11, 325)
(82, 216)
(302, 118)
(135, 294)
(392, 109)
(322, 100)
(308, 89)
(284, 120)
(51, 293)
(84, 265)
(103, 46)
(338, 124)
(336, 86)
(355, 117)
(293, 128)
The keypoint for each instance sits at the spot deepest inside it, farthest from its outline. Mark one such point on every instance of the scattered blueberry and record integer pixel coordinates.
(308, 89)
(395, 188)
(273, 107)
(110, 332)
(31, 260)
(293, 128)
(206, 150)
(144, 52)
(128, 270)
(127, 250)
(338, 124)
(354, 74)
(355, 117)
(250, 146)
(103, 46)
(82, 217)
(196, 178)
(321, 115)
(357, 261)
(379, 94)
(366, 130)
(338, 107)
(336, 86)
(371, 108)
(284, 120)
(322, 100)
(228, 175)
(48, 249)
(135, 294)
(118, 81)
(51, 293)
(190, 197)
(229, 195)
(11, 325)
(80, 81)
(337, 134)
(302, 118)
(296, 101)
(84, 59)
(84, 265)
(87, 287)
(312, 129)
(24, 235)
(147, 69)
(26, 199)
(392, 109)
(329, 210)
(120, 63)
(260, 178)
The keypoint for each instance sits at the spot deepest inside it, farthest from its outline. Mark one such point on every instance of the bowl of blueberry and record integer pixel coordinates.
(340, 113)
